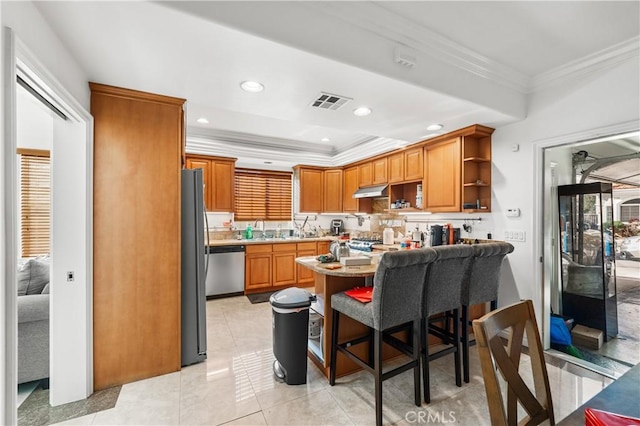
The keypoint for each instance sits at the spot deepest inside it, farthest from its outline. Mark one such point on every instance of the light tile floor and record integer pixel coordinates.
(235, 386)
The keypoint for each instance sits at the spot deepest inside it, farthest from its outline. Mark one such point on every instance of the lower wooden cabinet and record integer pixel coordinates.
(273, 266)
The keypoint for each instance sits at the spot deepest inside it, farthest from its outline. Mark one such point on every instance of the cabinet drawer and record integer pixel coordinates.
(307, 246)
(284, 247)
(259, 248)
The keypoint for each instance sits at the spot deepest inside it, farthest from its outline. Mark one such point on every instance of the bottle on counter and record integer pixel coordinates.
(248, 233)
(387, 236)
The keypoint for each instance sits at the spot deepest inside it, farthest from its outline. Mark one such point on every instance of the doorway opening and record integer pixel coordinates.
(616, 161)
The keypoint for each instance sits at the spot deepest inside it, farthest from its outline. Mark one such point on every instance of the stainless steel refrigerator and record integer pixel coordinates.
(194, 318)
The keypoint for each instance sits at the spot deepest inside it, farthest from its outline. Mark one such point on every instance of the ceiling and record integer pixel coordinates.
(615, 161)
(474, 62)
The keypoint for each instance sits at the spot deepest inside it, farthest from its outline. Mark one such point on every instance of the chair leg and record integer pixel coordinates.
(465, 342)
(456, 342)
(334, 348)
(377, 343)
(425, 359)
(416, 357)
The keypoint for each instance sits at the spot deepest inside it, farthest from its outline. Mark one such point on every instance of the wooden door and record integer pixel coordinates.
(136, 235)
(350, 179)
(332, 190)
(222, 186)
(205, 165)
(379, 170)
(413, 164)
(442, 182)
(311, 194)
(396, 167)
(365, 175)
(284, 264)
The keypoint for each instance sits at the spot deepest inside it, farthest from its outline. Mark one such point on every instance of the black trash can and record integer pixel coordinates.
(290, 323)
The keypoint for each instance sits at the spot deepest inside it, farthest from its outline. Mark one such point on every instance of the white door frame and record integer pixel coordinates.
(71, 355)
(544, 248)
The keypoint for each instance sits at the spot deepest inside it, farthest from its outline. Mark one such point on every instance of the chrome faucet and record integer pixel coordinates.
(255, 225)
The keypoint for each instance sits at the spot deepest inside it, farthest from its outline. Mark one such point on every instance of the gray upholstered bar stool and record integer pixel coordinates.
(398, 287)
(442, 295)
(482, 287)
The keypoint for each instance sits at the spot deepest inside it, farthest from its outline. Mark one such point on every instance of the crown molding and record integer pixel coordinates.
(602, 59)
(374, 18)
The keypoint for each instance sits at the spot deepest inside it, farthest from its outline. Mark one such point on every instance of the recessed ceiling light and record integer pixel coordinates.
(251, 86)
(202, 120)
(435, 127)
(362, 111)
(325, 140)
(268, 162)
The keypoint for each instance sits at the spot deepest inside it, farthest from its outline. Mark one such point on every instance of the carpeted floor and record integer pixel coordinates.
(36, 411)
(259, 297)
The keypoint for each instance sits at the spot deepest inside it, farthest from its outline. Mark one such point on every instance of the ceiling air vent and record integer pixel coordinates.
(329, 101)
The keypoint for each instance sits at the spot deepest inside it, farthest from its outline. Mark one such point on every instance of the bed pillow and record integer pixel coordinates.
(33, 277)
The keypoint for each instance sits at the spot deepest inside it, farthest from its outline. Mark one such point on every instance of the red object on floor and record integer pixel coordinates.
(593, 417)
(361, 294)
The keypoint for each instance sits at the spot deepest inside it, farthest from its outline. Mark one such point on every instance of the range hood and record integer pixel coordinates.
(371, 191)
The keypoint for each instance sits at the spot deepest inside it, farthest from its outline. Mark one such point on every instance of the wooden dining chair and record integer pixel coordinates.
(517, 320)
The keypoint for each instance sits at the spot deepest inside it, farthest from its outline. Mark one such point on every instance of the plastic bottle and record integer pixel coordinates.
(248, 233)
(387, 236)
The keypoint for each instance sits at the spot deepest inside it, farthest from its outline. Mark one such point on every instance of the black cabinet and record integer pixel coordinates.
(588, 256)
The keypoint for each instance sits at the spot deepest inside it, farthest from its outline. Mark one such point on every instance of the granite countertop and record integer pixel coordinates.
(337, 269)
(233, 242)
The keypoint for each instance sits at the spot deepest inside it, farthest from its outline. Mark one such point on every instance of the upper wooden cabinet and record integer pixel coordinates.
(365, 175)
(413, 164)
(406, 165)
(441, 188)
(311, 184)
(219, 175)
(379, 171)
(332, 191)
(350, 179)
(137, 157)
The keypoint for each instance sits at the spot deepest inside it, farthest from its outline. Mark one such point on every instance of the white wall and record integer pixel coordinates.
(600, 99)
(40, 50)
(34, 122)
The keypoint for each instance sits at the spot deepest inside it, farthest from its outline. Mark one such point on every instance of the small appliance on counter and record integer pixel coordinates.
(436, 235)
(337, 226)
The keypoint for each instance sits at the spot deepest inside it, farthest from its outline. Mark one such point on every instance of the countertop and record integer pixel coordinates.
(217, 243)
(340, 271)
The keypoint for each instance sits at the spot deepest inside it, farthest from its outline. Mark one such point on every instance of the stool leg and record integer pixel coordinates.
(377, 343)
(425, 359)
(456, 341)
(334, 348)
(493, 305)
(416, 357)
(465, 342)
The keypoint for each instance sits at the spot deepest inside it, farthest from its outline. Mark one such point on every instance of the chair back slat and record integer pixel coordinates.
(518, 320)
(446, 278)
(399, 286)
(484, 278)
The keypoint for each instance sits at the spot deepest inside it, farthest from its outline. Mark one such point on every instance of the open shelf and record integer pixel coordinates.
(476, 184)
(314, 346)
(478, 160)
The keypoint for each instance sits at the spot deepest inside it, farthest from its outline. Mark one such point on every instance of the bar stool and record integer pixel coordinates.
(398, 287)
(482, 287)
(442, 295)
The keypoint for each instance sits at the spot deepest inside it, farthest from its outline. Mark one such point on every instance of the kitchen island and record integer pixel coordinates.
(331, 278)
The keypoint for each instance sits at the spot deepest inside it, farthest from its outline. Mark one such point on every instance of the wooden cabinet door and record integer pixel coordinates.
(396, 167)
(323, 247)
(222, 182)
(284, 269)
(365, 175)
(257, 272)
(205, 165)
(305, 275)
(311, 194)
(442, 181)
(379, 170)
(413, 164)
(332, 190)
(350, 180)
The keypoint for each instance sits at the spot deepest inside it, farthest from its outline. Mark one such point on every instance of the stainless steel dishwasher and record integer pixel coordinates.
(225, 275)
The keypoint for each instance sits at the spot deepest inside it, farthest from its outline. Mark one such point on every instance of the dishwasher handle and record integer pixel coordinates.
(226, 249)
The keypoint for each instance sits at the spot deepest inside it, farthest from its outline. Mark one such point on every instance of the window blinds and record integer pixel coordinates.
(35, 202)
(261, 194)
